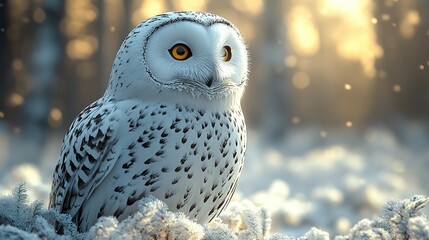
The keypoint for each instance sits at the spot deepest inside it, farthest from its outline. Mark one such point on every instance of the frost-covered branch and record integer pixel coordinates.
(22, 220)
(400, 219)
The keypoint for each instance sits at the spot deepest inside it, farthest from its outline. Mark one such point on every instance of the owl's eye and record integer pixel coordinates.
(226, 54)
(180, 52)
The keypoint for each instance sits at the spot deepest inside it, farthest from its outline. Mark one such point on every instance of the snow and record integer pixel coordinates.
(305, 186)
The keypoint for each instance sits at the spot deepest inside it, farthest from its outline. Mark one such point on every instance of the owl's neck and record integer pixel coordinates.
(168, 97)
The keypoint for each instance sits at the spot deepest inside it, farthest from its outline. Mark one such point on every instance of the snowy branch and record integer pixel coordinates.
(400, 219)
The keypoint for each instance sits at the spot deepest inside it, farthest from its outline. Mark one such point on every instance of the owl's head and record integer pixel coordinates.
(181, 57)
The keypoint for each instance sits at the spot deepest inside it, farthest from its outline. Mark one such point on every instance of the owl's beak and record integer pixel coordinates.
(209, 82)
(212, 80)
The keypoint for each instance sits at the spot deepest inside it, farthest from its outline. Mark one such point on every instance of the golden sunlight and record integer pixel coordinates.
(55, 118)
(301, 80)
(148, 9)
(251, 7)
(348, 7)
(302, 31)
(15, 100)
(82, 48)
(190, 5)
(409, 23)
(356, 39)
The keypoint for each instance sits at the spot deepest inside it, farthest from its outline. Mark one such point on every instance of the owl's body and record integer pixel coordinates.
(169, 125)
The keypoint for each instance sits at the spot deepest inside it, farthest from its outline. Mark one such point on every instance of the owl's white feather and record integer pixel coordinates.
(164, 127)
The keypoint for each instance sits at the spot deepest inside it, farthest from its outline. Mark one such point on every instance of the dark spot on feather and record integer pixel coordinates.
(175, 180)
(192, 207)
(149, 161)
(184, 158)
(119, 189)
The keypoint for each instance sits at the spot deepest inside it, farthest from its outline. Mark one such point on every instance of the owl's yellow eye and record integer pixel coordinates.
(180, 52)
(226, 54)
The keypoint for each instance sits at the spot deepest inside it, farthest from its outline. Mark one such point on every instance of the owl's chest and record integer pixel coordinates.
(190, 159)
(185, 139)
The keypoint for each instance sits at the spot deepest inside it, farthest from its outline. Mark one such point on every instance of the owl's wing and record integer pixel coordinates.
(87, 156)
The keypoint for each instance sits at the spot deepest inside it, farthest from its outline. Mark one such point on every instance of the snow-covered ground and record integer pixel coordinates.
(334, 181)
(329, 180)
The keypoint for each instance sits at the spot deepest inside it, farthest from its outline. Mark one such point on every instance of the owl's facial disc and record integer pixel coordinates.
(203, 60)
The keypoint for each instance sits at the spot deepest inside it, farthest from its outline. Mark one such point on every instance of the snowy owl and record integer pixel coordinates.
(169, 125)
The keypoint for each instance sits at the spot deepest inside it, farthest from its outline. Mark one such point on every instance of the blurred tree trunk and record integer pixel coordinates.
(42, 74)
(404, 64)
(276, 110)
(5, 59)
(103, 72)
(404, 54)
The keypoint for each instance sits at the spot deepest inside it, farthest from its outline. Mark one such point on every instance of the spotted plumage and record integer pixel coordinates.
(169, 125)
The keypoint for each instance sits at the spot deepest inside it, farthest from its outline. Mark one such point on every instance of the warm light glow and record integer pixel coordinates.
(83, 11)
(17, 64)
(348, 6)
(56, 114)
(296, 120)
(39, 15)
(190, 5)
(342, 225)
(73, 28)
(91, 14)
(291, 61)
(147, 9)
(396, 88)
(249, 7)
(347, 86)
(354, 40)
(421, 67)
(301, 80)
(78, 15)
(55, 117)
(82, 48)
(302, 31)
(15, 100)
(409, 23)
(1, 114)
(349, 124)
(385, 17)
